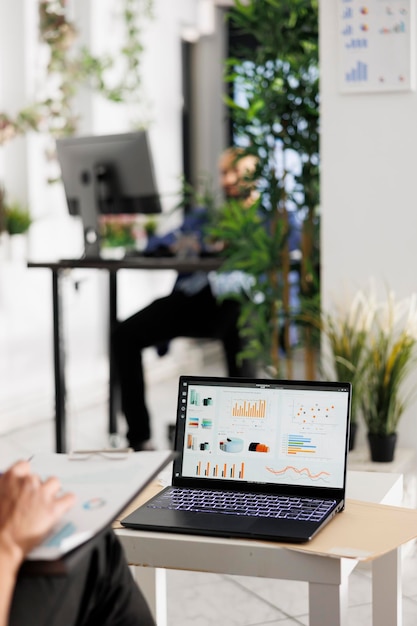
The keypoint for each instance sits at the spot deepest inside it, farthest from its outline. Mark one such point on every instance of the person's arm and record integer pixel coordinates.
(29, 508)
(7, 584)
(192, 224)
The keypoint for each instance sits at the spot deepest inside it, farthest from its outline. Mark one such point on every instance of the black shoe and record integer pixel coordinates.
(143, 446)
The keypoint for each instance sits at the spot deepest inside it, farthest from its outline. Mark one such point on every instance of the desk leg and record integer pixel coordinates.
(112, 373)
(328, 604)
(387, 590)
(59, 364)
(152, 582)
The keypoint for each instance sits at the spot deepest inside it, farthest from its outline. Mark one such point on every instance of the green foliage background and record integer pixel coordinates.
(278, 72)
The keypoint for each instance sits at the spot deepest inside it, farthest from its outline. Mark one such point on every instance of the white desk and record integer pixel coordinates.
(327, 577)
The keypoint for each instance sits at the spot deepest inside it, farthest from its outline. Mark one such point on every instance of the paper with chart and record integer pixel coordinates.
(103, 484)
(376, 45)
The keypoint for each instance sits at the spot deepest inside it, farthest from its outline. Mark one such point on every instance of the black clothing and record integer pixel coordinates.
(197, 315)
(99, 590)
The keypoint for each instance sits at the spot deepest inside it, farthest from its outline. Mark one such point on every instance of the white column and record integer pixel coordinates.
(15, 92)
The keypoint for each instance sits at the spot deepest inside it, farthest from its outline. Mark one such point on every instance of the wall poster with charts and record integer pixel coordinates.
(376, 45)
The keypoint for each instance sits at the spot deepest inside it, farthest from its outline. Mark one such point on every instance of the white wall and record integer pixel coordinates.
(368, 187)
(26, 382)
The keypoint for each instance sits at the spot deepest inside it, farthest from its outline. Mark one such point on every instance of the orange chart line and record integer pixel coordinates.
(297, 471)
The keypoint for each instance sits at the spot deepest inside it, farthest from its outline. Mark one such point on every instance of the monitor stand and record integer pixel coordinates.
(99, 195)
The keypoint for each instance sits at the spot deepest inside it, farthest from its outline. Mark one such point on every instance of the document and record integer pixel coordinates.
(104, 483)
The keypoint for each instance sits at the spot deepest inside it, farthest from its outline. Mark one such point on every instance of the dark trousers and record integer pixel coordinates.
(176, 315)
(99, 589)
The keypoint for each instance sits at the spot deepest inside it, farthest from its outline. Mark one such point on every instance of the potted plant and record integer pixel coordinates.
(390, 357)
(373, 345)
(117, 234)
(2, 210)
(150, 226)
(277, 115)
(15, 221)
(17, 218)
(3, 233)
(346, 333)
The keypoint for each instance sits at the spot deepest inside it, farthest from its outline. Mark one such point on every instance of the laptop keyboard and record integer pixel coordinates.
(238, 503)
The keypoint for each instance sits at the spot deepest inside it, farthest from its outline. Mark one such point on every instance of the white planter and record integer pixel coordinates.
(18, 248)
(4, 247)
(116, 253)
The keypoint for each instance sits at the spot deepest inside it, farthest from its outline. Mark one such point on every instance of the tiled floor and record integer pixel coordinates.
(201, 599)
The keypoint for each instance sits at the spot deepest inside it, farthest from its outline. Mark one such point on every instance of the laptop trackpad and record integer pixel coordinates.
(260, 528)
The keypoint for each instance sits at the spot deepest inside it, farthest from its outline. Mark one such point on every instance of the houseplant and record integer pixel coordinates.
(345, 333)
(15, 221)
(2, 209)
(372, 344)
(17, 218)
(278, 115)
(117, 234)
(390, 357)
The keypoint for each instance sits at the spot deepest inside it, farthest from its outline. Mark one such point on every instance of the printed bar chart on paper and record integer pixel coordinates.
(357, 73)
(375, 45)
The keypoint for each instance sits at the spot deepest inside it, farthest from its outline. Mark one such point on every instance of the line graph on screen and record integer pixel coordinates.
(290, 471)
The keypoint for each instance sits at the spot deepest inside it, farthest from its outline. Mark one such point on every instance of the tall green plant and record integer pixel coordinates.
(347, 331)
(2, 209)
(278, 75)
(391, 358)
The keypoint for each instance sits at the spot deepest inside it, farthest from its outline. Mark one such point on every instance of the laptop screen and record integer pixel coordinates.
(263, 431)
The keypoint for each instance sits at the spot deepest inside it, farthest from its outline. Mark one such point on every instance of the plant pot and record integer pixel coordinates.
(4, 246)
(18, 247)
(113, 252)
(352, 435)
(382, 447)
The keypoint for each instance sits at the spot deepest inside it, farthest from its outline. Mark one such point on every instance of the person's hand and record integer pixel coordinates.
(29, 508)
(215, 246)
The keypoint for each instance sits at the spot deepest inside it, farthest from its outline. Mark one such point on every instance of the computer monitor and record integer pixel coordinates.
(107, 175)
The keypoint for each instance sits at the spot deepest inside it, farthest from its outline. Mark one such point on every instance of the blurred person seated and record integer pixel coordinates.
(198, 306)
(99, 588)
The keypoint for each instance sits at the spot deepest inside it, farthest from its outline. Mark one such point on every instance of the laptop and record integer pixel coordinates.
(256, 458)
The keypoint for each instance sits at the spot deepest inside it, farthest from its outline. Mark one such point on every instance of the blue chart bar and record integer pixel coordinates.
(299, 443)
(358, 73)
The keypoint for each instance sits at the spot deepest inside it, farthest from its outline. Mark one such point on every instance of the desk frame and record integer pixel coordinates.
(327, 577)
(59, 269)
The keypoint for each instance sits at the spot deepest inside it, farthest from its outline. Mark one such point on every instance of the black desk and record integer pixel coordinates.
(58, 268)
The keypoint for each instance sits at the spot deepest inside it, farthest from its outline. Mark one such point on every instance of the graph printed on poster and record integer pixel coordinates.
(376, 45)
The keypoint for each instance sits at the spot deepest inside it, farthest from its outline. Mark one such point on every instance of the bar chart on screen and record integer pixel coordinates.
(246, 408)
(220, 470)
